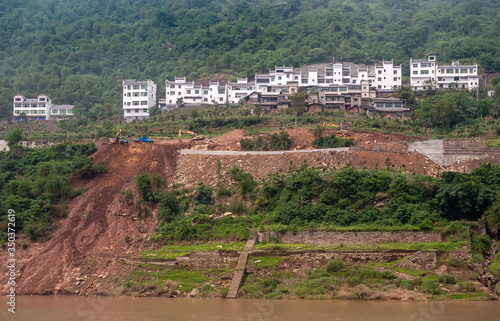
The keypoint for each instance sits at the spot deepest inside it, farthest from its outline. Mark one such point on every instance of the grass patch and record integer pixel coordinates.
(265, 261)
(174, 251)
(476, 296)
(420, 246)
(187, 280)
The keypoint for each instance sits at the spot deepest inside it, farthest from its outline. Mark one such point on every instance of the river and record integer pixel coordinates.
(73, 308)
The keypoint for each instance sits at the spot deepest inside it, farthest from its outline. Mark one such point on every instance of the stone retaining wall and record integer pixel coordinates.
(348, 238)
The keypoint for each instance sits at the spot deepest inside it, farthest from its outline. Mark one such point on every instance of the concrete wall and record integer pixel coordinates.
(447, 152)
(347, 238)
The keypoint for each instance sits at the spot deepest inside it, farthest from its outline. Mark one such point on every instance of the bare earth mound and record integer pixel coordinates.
(99, 228)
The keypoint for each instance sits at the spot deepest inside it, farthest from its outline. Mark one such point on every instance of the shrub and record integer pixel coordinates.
(90, 170)
(447, 279)
(144, 186)
(467, 287)
(203, 194)
(335, 265)
(332, 142)
(406, 284)
(429, 286)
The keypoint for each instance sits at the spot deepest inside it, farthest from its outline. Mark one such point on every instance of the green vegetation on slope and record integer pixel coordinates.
(346, 198)
(75, 51)
(35, 183)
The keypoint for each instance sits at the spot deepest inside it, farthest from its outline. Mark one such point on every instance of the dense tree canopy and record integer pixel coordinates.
(77, 51)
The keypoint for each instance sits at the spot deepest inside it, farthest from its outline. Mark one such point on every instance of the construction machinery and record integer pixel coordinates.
(194, 136)
(344, 126)
(143, 139)
(119, 139)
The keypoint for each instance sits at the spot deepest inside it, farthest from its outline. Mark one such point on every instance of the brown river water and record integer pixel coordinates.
(73, 308)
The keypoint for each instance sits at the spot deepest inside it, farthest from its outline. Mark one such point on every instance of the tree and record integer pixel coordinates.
(444, 111)
(14, 137)
(298, 103)
(406, 93)
(180, 102)
(153, 111)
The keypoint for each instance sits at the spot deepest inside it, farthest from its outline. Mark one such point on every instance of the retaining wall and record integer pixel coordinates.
(337, 238)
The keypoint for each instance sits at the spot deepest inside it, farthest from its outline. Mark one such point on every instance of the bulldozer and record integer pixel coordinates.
(194, 136)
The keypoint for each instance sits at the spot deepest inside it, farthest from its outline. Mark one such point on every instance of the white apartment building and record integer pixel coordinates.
(239, 90)
(281, 81)
(40, 108)
(195, 94)
(138, 98)
(427, 74)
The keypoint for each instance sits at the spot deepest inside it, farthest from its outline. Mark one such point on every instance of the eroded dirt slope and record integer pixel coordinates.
(99, 229)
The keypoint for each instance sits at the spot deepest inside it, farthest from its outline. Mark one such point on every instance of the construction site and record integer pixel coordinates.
(102, 235)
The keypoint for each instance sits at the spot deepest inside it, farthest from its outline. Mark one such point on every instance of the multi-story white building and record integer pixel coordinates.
(190, 93)
(239, 90)
(40, 108)
(427, 74)
(281, 81)
(138, 98)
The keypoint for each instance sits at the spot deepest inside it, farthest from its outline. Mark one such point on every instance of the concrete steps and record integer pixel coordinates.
(239, 273)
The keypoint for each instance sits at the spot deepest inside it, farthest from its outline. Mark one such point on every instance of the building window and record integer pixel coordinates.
(205, 99)
(395, 78)
(415, 65)
(172, 93)
(26, 105)
(54, 111)
(449, 71)
(179, 93)
(70, 111)
(196, 92)
(222, 91)
(220, 99)
(470, 70)
(17, 112)
(380, 72)
(463, 71)
(425, 65)
(128, 103)
(143, 94)
(304, 81)
(397, 105)
(205, 92)
(18, 105)
(144, 103)
(135, 87)
(41, 99)
(17, 99)
(424, 72)
(137, 110)
(135, 94)
(279, 77)
(342, 88)
(379, 78)
(135, 103)
(379, 105)
(144, 86)
(395, 72)
(172, 86)
(188, 92)
(145, 110)
(455, 78)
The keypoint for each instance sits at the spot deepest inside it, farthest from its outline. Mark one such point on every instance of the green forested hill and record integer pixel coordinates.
(79, 51)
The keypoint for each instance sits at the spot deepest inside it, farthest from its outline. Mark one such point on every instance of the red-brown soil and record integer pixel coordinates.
(90, 243)
(99, 229)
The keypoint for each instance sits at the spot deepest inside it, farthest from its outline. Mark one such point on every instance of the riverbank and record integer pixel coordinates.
(386, 271)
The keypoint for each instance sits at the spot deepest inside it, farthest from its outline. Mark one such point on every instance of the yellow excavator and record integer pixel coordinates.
(119, 139)
(194, 136)
(344, 126)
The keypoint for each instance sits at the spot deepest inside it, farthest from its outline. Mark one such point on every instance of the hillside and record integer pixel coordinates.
(77, 51)
(108, 244)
